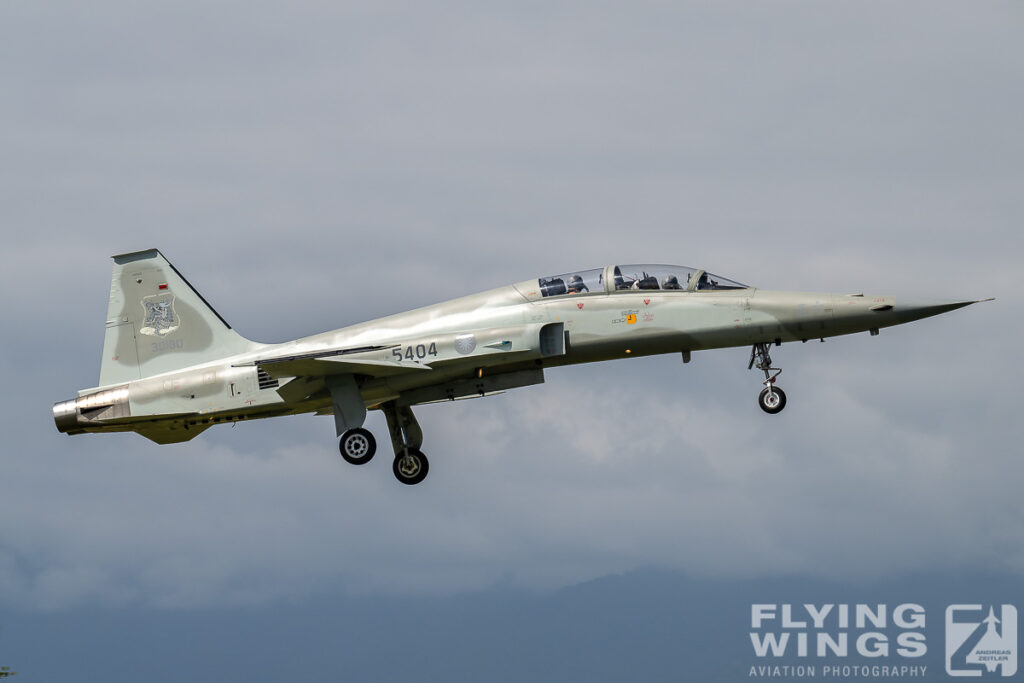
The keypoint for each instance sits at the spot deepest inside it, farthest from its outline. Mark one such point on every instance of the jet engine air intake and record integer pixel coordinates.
(552, 340)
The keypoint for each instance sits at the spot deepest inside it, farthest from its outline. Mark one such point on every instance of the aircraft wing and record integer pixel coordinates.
(477, 348)
(335, 362)
(307, 374)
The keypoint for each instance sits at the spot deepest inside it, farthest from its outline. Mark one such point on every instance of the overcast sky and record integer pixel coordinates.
(309, 165)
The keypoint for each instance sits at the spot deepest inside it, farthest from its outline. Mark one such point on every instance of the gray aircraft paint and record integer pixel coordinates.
(157, 323)
(172, 367)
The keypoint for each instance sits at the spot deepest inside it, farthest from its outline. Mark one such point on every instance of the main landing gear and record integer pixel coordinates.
(411, 465)
(772, 399)
(357, 445)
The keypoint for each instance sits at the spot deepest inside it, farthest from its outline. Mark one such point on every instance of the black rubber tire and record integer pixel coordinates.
(772, 406)
(357, 446)
(411, 467)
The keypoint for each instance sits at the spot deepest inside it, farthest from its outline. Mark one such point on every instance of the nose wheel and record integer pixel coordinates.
(771, 399)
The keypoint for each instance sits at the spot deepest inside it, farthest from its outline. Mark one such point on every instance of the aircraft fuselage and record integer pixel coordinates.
(163, 345)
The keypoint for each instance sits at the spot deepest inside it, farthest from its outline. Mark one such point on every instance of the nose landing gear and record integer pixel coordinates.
(772, 399)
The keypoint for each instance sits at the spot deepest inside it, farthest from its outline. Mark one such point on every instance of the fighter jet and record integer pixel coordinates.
(172, 367)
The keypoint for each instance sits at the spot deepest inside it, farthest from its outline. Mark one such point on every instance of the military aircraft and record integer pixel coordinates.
(172, 366)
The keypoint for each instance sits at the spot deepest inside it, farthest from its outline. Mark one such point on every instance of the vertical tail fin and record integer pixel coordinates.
(157, 322)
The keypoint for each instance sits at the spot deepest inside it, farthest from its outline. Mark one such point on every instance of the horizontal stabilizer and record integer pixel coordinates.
(177, 433)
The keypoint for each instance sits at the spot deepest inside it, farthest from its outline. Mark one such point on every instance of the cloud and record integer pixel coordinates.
(314, 167)
(601, 470)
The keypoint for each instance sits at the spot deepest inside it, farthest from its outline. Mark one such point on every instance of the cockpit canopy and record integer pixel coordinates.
(580, 282)
(634, 277)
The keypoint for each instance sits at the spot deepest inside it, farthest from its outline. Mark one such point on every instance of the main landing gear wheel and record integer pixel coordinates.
(411, 467)
(357, 446)
(772, 400)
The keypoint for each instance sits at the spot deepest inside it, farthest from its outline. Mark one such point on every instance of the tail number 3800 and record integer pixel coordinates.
(417, 352)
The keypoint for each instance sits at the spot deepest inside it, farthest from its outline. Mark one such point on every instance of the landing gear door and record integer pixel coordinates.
(347, 402)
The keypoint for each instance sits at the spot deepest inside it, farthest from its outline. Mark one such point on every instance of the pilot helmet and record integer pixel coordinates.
(575, 283)
(670, 282)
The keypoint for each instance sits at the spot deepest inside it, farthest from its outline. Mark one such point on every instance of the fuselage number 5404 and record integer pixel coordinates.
(417, 352)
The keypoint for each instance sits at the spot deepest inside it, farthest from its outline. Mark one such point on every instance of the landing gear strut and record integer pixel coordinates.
(411, 465)
(772, 399)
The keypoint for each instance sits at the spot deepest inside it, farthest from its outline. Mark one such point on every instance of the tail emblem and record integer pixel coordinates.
(160, 317)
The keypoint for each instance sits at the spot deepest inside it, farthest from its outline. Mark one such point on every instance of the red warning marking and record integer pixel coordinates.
(646, 301)
(163, 286)
(580, 306)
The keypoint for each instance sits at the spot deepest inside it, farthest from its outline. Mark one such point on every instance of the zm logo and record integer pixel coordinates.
(981, 641)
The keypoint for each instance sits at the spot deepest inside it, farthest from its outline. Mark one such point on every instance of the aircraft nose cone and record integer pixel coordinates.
(854, 313)
(908, 310)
